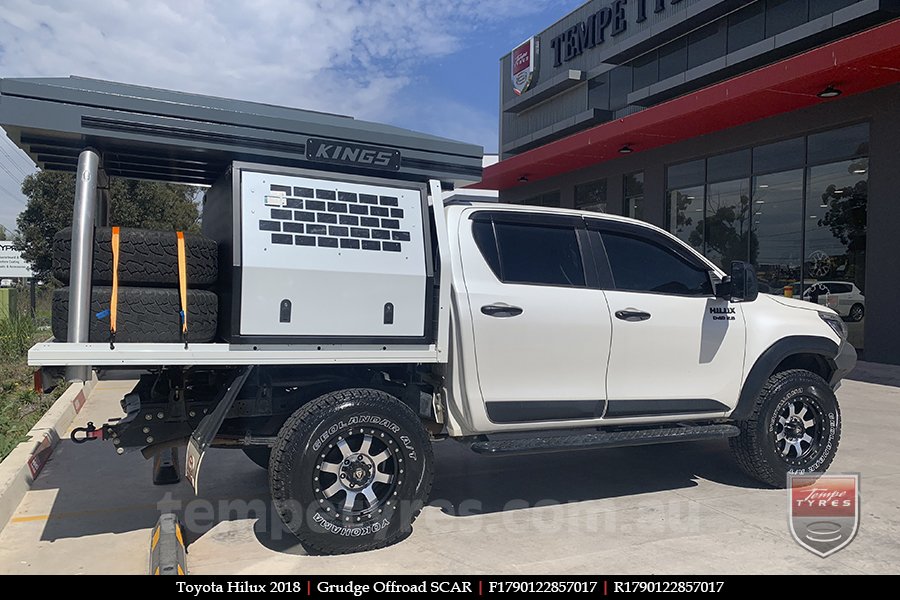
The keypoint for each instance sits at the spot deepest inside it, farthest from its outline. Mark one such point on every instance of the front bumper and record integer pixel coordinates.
(844, 362)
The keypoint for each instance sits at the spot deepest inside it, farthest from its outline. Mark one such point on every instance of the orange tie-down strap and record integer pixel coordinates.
(114, 296)
(182, 285)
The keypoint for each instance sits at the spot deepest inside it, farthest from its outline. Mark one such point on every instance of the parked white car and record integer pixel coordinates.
(842, 296)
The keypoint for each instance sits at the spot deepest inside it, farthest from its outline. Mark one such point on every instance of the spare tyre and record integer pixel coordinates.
(146, 257)
(148, 315)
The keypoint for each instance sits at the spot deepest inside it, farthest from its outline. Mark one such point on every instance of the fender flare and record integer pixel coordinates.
(769, 360)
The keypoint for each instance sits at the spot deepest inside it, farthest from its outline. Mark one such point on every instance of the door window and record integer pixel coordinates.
(527, 253)
(639, 264)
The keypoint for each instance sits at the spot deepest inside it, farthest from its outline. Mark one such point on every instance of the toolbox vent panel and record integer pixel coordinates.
(339, 250)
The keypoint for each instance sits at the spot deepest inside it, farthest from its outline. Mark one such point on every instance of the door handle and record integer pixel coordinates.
(631, 314)
(501, 310)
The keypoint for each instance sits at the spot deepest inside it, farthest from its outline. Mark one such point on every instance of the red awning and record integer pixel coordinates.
(856, 64)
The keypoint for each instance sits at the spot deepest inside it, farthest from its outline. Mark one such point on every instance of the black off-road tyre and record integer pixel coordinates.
(792, 406)
(149, 315)
(259, 455)
(146, 257)
(324, 441)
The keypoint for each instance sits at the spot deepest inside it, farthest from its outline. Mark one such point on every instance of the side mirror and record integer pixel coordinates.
(744, 287)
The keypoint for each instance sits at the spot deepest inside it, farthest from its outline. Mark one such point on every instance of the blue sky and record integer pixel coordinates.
(429, 65)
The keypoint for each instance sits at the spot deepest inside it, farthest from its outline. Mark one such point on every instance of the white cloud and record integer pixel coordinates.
(356, 57)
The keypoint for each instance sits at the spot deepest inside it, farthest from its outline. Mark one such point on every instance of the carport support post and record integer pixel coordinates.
(83, 215)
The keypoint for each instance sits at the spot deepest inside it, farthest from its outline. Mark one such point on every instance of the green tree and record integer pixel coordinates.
(143, 204)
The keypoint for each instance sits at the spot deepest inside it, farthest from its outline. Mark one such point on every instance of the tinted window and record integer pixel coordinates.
(819, 8)
(782, 15)
(591, 196)
(706, 44)
(685, 174)
(539, 254)
(640, 265)
(779, 156)
(746, 26)
(646, 70)
(673, 59)
(836, 144)
(838, 288)
(548, 199)
(619, 87)
(728, 166)
(483, 232)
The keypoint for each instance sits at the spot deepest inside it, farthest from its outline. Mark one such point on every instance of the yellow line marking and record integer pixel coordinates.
(155, 540)
(178, 534)
(180, 570)
(81, 513)
(157, 571)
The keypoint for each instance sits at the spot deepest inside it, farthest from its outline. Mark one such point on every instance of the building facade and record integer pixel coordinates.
(763, 131)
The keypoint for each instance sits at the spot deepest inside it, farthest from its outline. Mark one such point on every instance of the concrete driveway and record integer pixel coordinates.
(681, 508)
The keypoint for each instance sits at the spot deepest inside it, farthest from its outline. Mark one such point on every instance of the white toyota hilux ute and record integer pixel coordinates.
(555, 330)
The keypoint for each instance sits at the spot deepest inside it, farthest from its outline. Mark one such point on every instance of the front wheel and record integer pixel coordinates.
(795, 427)
(350, 471)
(857, 312)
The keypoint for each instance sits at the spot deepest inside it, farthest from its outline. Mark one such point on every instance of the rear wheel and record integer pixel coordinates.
(795, 428)
(350, 471)
(857, 312)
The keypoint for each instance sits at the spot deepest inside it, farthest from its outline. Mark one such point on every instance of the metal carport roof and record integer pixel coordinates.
(156, 134)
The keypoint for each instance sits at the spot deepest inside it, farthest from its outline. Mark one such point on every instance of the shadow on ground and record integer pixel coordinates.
(121, 497)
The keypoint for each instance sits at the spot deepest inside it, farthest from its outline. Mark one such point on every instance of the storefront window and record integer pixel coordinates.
(634, 195)
(686, 215)
(835, 252)
(591, 196)
(726, 228)
(787, 154)
(548, 199)
(775, 240)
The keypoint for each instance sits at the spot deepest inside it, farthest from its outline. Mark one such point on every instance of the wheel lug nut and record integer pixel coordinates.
(343, 476)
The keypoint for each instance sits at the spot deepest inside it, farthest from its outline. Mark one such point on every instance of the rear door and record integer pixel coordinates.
(541, 327)
(676, 349)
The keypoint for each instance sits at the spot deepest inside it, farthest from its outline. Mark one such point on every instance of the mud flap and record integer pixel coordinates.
(206, 432)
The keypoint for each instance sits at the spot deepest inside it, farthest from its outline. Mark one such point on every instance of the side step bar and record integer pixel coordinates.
(606, 439)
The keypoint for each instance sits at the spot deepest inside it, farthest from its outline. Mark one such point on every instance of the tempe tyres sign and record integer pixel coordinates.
(11, 262)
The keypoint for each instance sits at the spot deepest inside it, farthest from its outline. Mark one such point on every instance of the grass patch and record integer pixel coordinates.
(20, 406)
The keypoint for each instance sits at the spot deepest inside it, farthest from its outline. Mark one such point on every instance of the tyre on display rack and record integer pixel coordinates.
(146, 257)
(149, 315)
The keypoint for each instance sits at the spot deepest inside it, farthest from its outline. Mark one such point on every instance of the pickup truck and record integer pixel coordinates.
(568, 330)
(356, 313)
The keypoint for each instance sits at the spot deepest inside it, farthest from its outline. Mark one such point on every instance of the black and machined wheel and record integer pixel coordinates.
(350, 471)
(795, 427)
(857, 312)
(259, 455)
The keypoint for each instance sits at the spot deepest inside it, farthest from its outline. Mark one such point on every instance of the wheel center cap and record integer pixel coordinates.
(357, 471)
(795, 429)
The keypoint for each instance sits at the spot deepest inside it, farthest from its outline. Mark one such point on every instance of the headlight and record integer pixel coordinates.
(836, 323)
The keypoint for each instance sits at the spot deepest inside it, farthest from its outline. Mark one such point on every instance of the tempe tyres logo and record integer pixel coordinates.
(824, 511)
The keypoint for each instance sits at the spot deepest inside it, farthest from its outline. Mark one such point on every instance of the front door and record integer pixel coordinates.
(676, 349)
(541, 333)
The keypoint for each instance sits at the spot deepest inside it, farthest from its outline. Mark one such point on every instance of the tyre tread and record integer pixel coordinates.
(282, 461)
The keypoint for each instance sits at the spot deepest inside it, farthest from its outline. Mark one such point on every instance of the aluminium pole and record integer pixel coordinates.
(82, 258)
